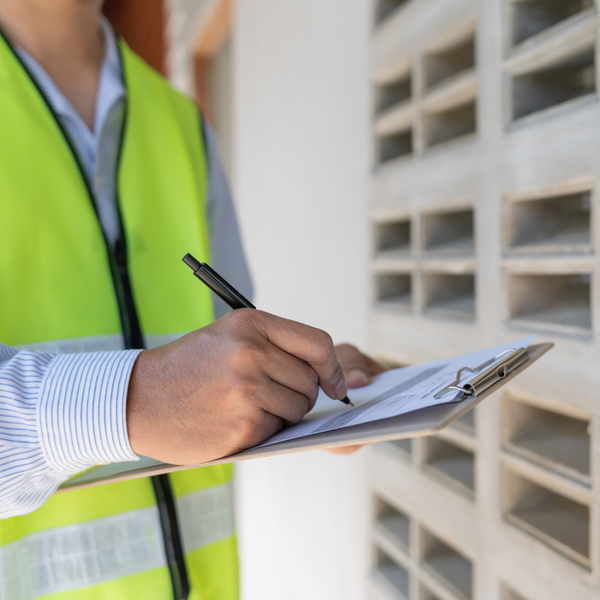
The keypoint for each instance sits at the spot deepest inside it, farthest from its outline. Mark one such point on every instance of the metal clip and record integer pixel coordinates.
(491, 376)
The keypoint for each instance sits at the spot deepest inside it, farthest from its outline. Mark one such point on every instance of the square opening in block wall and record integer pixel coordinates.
(566, 80)
(392, 93)
(466, 422)
(395, 289)
(395, 145)
(560, 225)
(450, 295)
(400, 448)
(556, 441)
(392, 575)
(443, 65)
(530, 17)
(403, 445)
(447, 565)
(452, 462)
(551, 517)
(393, 238)
(451, 124)
(449, 234)
(385, 9)
(561, 302)
(395, 524)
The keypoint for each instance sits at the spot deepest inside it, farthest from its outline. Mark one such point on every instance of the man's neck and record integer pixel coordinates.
(64, 37)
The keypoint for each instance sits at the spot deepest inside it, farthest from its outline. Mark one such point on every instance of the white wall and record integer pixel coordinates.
(301, 180)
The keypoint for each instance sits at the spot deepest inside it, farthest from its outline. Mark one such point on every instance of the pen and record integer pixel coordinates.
(223, 289)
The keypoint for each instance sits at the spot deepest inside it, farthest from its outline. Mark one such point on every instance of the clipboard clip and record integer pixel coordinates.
(482, 382)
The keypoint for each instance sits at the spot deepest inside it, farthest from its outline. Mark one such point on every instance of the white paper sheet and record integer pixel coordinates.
(393, 393)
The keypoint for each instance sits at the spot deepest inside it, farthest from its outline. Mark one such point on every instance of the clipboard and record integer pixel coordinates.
(419, 423)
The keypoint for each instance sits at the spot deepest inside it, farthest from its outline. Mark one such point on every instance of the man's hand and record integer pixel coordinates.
(228, 386)
(357, 367)
(358, 370)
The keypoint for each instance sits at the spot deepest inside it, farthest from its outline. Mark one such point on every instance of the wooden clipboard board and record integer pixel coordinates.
(426, 421)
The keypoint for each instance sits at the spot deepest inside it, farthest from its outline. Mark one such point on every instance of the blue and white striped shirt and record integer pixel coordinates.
(61, 414)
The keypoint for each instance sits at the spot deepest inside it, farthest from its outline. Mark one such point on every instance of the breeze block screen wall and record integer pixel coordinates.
(486, 159)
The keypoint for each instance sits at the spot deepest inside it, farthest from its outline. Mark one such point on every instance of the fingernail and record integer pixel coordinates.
(357, 378)
(341, 389)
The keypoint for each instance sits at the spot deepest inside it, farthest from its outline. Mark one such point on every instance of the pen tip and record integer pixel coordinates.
(346, 400)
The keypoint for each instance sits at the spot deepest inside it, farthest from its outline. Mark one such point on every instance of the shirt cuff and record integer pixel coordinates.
(82, 410)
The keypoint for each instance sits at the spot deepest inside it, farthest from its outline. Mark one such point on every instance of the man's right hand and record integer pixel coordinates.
(228, 386)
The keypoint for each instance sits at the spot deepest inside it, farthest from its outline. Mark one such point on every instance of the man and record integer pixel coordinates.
(107, 176)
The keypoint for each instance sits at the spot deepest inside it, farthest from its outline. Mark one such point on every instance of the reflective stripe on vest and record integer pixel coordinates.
(83, 554)
(206, 516)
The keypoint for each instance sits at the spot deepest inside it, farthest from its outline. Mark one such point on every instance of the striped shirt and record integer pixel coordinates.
(61, 414)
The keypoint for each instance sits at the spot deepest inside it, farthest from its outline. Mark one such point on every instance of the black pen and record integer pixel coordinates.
(223, 289)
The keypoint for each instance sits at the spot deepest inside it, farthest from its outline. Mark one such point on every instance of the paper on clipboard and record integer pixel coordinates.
(394, 393)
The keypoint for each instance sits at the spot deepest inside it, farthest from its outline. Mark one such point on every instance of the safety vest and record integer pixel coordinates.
(60, 290)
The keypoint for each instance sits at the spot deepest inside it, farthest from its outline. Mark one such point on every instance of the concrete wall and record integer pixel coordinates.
(301, 175)
(491, 157)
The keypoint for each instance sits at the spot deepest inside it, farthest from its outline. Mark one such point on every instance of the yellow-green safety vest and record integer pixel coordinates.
(57, 293)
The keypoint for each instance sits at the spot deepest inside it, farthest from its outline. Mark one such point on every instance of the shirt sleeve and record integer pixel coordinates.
(59, 415)
(226, 244)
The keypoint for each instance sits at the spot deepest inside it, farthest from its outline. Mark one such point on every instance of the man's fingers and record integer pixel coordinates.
(374, 367)
(357, 367)
(307, 343)
(292, 373)
(344, 449)
(256, 432)
(356, 378)
(284, 403)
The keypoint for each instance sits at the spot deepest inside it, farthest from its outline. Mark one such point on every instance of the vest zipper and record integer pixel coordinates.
(171, 536)
(161, 485)
(133, 340)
